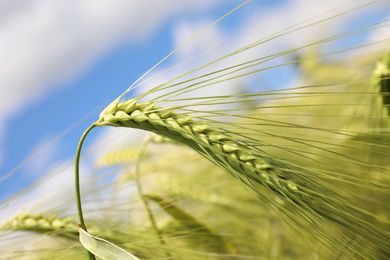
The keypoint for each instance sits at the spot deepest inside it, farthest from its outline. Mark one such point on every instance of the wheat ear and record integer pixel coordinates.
(52, 224)
(202, 138)
(243, 163)
(39, 223)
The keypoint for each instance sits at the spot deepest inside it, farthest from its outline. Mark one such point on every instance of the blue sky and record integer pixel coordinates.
(64, 61)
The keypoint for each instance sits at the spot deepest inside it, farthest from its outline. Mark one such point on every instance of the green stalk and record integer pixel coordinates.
(77, 185)
(142, 196)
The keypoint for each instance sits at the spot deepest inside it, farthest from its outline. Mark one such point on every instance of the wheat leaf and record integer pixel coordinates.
(103, 248)
(192, 224)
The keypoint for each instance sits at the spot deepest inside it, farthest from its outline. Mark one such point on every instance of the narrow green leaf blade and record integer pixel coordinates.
(193, 224)
(103, 248)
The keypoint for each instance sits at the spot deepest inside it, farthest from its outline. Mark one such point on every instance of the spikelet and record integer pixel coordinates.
(158, 139)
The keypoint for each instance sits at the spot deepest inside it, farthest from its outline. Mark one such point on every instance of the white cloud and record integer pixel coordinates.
(43, 42)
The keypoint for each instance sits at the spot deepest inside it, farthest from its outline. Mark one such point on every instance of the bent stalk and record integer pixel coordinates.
(77, 184)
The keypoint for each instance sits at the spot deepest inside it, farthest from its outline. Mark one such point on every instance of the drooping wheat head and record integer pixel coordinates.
(248, 164)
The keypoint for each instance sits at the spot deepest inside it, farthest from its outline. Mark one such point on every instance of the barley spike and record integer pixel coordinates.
(39, 223)
(202, 138)
(241, 161)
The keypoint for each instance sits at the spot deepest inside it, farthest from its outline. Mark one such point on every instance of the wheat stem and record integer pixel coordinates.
(77, 184)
